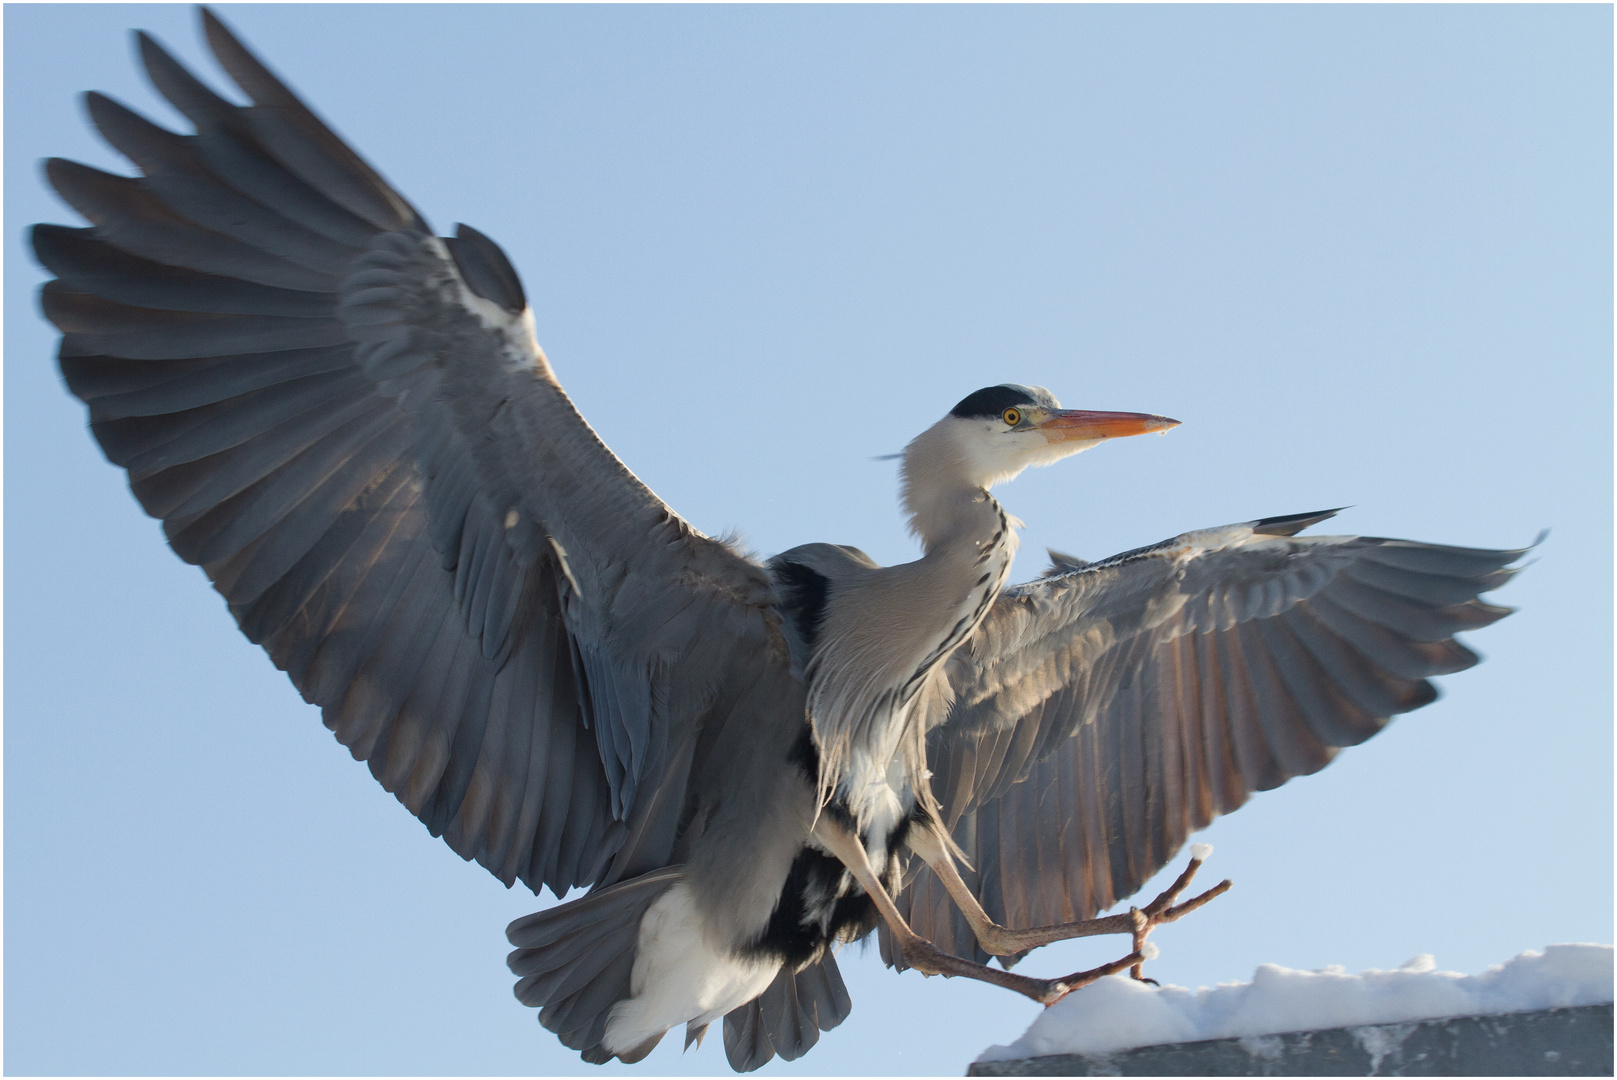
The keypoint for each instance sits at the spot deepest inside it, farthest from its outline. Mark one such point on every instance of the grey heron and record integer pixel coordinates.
(348, 423)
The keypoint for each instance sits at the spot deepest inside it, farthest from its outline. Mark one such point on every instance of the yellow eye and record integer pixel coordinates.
(1012, 417)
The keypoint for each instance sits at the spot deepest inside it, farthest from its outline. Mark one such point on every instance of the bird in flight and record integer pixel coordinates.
(348, 423)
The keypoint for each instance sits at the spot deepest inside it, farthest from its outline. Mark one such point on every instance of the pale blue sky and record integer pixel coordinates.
(1364, 253)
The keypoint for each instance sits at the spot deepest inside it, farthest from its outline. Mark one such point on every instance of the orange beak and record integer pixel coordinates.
(1068, 425)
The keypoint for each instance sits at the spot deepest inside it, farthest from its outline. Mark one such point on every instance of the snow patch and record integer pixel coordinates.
(1382, 1042)
(1263, 1047)
(1201, 852)
(1118, 1013)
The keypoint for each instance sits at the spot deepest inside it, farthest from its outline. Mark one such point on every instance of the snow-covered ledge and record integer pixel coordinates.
(1332, 1023)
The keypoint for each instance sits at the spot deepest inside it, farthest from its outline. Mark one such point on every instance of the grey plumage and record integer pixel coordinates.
(787, 1018)
(574, 961)
(347, 422)
(1255, 668)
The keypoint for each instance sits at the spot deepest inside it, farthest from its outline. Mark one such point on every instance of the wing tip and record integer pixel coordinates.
(220, 38)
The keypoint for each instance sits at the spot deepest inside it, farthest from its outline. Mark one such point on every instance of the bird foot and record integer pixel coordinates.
(928, 959)
(916, 952)
(999, 940)
(1060, 988)
(1164, 910)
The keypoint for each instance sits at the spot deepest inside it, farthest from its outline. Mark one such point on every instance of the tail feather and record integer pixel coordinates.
(575, 959)
(745, 1043)
(787, 1018)
(580, 1021)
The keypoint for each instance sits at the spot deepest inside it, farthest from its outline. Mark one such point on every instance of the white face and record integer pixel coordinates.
(997, 432)
(996, 449)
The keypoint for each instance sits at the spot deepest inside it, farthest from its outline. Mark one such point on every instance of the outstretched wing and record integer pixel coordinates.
(347, 422)
(1105, 712)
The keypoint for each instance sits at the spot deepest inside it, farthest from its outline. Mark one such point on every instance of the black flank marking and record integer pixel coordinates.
(794, 933)
(990, 401)
(920, 815)
(838, 812)
(805, 755)
(895, 839)
(983, 580)
(806, 594)
(857, 912)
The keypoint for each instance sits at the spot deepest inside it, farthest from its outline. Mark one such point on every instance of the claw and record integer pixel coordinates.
(1162, 909)
(1060, 988)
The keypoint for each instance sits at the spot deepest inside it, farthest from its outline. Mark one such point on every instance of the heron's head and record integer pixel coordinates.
(994, 434)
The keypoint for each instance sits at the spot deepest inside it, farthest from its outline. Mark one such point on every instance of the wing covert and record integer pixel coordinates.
(347, 422)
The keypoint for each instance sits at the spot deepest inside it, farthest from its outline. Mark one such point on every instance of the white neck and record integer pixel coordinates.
(945, 486)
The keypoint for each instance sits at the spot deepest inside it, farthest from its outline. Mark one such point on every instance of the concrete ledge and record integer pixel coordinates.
(1551, 1042)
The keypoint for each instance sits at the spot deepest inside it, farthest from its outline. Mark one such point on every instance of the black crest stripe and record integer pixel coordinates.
(991, 401)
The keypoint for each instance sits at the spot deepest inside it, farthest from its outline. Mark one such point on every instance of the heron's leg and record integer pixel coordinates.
(998, 940)
(917, 952)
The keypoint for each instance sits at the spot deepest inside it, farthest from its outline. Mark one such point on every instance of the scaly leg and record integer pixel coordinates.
(920, 954)
(998, 940)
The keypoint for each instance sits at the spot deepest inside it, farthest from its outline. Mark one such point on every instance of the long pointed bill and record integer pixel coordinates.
(1070, 425)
